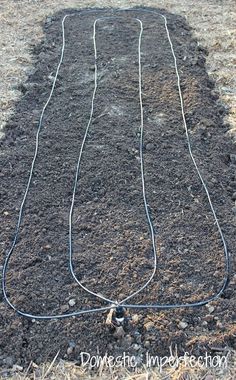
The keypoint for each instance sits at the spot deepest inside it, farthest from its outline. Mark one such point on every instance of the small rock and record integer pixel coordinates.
(147, 344)
(72, 302)
(129, 340)
(9, 361)
(232, 184)
(207, 122)
(51, 77)
(209, 377)
(16, 368)
(119, 333)
(64, 308)
(208, 318)
(210, 308)
(234, 210)
(72, 344)
(139, 339)
(182, 325)
(135, 318)
(48, 246)
(70, 350)
(136, 346)
(132, 151)
(234, 196)
(6, 213)
(150, 146)
(204, 324)
(219, 325)
(233, 158)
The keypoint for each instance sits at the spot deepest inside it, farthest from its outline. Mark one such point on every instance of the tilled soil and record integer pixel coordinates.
(111, 240)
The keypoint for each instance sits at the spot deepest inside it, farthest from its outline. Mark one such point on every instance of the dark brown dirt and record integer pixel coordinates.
(111, 239)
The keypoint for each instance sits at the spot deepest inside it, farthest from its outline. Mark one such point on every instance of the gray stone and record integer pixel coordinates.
(119, 333)
(233, 158)
(210, 308)
(9, 361)
(182, 325)
(72, 302)
(234, 210)
(147, 344)
(234, 196)
(136, 347)
(17, 368)
(129, 339)
(150, 146)
(209, 377)
(72, 344)
(70, 350)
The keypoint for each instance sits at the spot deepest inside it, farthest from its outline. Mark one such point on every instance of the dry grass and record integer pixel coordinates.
(69, 371)
(63, 370)
(21, 24)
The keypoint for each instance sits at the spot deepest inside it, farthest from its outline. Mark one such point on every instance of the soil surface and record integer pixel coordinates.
(111, 240)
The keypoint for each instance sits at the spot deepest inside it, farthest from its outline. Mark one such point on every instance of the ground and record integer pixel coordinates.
(109, 211)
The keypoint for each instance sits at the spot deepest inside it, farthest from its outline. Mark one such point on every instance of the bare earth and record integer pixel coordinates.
(21, 21)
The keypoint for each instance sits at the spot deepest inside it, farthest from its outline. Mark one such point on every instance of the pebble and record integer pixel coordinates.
(48, 246)
(232, 184)
(72, 344)
(51, 77)
(210, 308)
(234, 210)
(72, 302)
(64, 308)
(209, 377)
(129, 339)
(150, 146)
(6, 213)
(119, 333)
(9, 361)
(208, 318)
(135, 318)
(219, 325)
(207, 122)
(136, 346)
(16, 368)
(49, 20)
(139, 339)
(70, 350)
(147, 344)
(234, 196)
(182, 325)
(233, 158)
